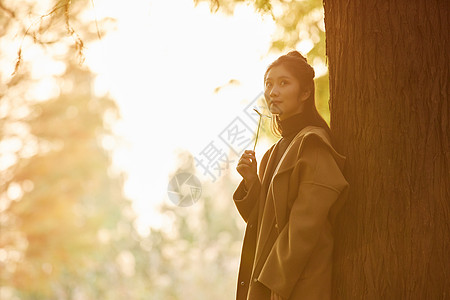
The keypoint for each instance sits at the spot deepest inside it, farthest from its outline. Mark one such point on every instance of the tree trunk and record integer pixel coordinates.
(389, 87)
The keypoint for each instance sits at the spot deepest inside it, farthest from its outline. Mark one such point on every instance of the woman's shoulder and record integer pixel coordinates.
(316, 140)
(314, 131)
(319, 162)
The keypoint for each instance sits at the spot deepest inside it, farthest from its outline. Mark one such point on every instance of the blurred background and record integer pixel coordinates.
(102, 104)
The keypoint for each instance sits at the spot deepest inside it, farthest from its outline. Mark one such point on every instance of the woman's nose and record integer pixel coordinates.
(273, 92)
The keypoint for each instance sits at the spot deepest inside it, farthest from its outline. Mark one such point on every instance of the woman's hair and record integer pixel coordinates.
(297, 65)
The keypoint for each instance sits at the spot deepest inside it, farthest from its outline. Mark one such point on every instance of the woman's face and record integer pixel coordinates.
(283, 93)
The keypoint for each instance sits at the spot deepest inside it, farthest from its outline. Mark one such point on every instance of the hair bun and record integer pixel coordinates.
(297, 65)
(295, 53)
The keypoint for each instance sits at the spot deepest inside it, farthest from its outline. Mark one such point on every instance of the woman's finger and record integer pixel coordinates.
(245, 155)
(246, 160)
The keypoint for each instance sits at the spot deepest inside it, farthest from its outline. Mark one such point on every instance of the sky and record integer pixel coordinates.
(162, 64)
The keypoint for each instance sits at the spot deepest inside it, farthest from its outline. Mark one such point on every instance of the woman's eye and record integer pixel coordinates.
(283, 82)
(268, 84)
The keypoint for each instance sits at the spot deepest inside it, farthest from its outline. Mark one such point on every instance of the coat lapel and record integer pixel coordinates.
(277, 190)
(280, 180)
(265, 179)
(271, 163)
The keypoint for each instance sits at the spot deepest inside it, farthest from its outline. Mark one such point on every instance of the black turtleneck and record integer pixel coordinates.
(289, 129)
(293, 124)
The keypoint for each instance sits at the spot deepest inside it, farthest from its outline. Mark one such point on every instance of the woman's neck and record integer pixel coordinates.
(293, 124)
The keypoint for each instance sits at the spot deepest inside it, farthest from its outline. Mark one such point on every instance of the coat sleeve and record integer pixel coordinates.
(321, 182)
(245, 200)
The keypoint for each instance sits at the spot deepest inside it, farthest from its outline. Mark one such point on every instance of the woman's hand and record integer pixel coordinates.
(247, 167)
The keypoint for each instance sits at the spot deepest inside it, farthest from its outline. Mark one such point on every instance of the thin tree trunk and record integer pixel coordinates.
(389, 87)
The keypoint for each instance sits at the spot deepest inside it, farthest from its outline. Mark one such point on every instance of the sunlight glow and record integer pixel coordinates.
(162, 65)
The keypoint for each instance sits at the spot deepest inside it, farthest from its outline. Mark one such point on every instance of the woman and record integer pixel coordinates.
(289, 208)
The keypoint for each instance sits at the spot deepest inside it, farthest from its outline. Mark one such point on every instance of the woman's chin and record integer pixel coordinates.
(274, 110)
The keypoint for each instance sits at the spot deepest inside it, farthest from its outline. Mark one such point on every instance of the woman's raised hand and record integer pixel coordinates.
(247, 167)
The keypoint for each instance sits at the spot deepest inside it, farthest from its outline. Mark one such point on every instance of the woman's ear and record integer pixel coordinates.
(304, 95)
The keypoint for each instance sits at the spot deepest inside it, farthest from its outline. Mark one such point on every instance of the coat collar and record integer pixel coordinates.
(279, 184)
(289, 158)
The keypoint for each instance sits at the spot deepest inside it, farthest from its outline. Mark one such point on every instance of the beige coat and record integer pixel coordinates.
(293, 254)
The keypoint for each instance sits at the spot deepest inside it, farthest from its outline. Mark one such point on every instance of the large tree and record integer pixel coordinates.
(389, 75)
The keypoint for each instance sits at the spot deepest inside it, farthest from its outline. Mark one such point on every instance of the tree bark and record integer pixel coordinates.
(389, 86)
